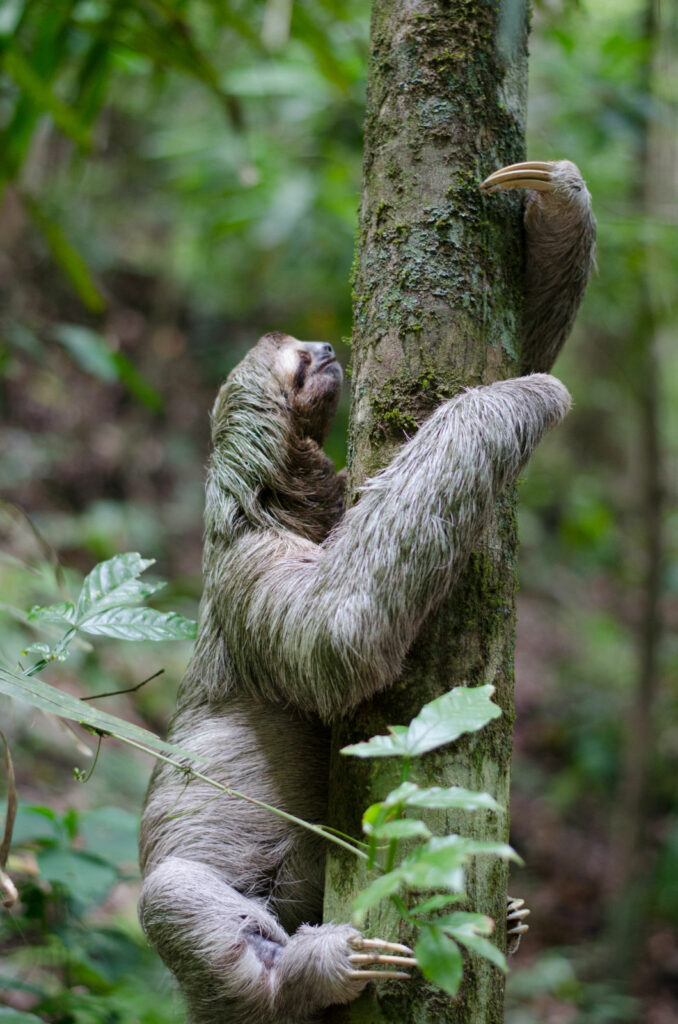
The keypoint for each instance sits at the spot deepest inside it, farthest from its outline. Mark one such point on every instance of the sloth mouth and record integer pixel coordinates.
(331, 360)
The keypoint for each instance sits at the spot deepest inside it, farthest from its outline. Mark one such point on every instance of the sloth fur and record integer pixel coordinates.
(308, 610)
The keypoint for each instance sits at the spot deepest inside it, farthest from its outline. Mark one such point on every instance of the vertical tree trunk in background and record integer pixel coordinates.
(438, 300)
(657, 192)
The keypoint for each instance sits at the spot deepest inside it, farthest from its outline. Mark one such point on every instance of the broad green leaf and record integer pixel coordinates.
(404, 828)
(112, 834)
(378, 746)
(35, 824)
(60, 613)
(113, 582)
(463, 923)
(56, 702)
(439, 959)
(482, 947)
(85, 877)
(372, 814)
(89, 349)
(38, 649)
(380, 888)
(438, 864)
(470, 930)
(399, 795)
(437, 902)
(140, 624)
(463, 709)
(436, 796)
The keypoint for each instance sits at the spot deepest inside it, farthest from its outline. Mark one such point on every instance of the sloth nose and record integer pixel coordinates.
(319, 349)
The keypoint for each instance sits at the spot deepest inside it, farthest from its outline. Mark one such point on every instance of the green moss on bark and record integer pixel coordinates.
(438, 297)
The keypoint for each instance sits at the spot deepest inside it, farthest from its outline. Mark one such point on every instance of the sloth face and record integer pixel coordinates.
(311, 378)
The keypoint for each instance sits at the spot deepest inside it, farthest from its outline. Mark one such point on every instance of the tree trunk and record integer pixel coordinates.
(438, 301)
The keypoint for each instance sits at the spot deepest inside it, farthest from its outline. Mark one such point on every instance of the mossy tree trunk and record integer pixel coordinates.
(438, 300)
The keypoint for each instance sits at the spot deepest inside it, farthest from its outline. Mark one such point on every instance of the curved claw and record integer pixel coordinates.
(390, 947)
(378, 975)
(533, 174)
(517, 912)
(372, 958)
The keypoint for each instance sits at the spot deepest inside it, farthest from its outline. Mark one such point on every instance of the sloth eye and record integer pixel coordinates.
(300, 375)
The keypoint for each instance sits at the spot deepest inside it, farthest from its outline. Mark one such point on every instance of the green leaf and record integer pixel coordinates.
(66, 256)
(463, 709)
(89, 349)
(463, 923)
(56, 702)
(60, 613)
(439, 959)
(399, 795)
(482, 947)
(112, 834)
(94, 355)
(435, 796)
(469, 930)
(38, 649)
(35, 824)
(18, 68)
(380, 888)
(135, 382)
(378, 746)
(438, 864)
(140, 624)
(404, 828)
(437, 902)
(85, 877)
(113, 582)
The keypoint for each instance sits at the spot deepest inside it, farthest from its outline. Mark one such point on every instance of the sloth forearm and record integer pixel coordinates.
(331, 625)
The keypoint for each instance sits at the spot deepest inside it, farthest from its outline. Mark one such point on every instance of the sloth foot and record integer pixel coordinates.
(392, 954)
(515, 920)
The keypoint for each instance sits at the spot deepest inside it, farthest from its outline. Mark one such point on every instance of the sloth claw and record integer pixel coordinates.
(378, 951)
(533, 174)
(370, 958)
(517, 912)
(378, 975)
(391, 947)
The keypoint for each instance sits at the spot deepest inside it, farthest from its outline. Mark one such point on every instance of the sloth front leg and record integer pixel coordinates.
(560, 236)
(235, 962)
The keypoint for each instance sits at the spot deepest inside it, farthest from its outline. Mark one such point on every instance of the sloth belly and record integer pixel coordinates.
(271, 755)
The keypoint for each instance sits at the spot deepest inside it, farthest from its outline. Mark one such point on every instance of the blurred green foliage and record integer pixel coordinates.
(180, 177)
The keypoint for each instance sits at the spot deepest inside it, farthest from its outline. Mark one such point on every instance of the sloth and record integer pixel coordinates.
(309, 609)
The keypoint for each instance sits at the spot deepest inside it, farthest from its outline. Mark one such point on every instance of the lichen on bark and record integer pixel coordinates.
(438, 296)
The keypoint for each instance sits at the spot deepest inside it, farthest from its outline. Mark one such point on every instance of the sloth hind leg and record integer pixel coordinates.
(231, 956)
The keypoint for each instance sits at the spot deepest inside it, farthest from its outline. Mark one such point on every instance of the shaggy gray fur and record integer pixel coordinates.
(306, 612)
(561, 235)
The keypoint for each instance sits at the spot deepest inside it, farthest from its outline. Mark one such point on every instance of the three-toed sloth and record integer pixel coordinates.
(309, 609)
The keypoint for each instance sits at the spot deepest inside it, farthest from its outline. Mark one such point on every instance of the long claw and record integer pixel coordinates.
(519, 929)
(372, 958)
(379, 975)
(391, 947)
(534, 174)
(517, 911)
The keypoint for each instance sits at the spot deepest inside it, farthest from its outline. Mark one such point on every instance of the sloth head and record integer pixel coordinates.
(269, 421)
(310, 380)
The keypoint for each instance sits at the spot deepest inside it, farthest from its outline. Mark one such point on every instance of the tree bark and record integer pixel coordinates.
(438, 302)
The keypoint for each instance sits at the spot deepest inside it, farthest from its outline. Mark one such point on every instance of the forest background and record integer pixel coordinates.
(179, 177)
